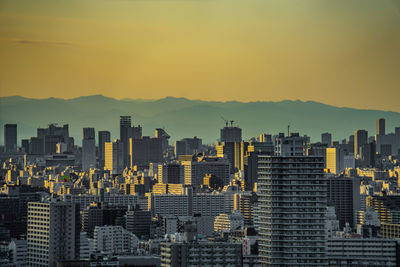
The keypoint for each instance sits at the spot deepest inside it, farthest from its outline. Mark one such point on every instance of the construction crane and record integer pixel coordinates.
(232, 123)
(226, 121)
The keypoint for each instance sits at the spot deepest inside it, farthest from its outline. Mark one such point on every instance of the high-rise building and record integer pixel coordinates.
(344, 195)
(10, 138)
(53, 233)
(145, 150)
(380, 127)
(326, 138)
(360, 139)
(334, 160)
(114, 158)
(171, 173)
(88, 149)
(293, 145)
(234, 152)
(231, 134)
(124, 130)
(291, 215)
(188, 146)
(114, 239)
(162, 134)
(138, 222)
(104, 136)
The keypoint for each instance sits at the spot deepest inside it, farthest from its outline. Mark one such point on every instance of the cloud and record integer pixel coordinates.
(38, 42)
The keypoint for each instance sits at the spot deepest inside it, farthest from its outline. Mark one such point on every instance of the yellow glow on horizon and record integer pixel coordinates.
(335, 51)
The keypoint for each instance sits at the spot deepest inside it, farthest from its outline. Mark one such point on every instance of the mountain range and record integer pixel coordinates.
(183, 117)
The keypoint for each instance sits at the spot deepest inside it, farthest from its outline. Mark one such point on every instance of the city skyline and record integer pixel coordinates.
(334, 52)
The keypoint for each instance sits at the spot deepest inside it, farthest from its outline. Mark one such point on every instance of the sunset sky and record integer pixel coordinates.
(339, 52)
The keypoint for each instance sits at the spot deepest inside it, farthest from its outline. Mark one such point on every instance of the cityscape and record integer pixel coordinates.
(274, 200)
(199, 133)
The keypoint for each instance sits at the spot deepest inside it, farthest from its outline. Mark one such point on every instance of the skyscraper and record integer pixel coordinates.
(231, 134)
(88, 149)
(124, 129)
(334, 160)
(53, 233)
(326, 138)
(380, 127)
(360, 139)
(10, 138)
(145, 150)
(104, 136)
(292, 202)
(114, 160)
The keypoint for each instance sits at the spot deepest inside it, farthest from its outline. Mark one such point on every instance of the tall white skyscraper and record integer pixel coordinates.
(53, 233)
(292, 202)
(88, 149)
(114, 157)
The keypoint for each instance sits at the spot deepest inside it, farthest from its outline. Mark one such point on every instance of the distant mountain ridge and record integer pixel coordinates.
(183, 117)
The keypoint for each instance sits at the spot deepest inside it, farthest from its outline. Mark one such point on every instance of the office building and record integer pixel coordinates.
(228, 222)
(10, 138)
(231, 134)
(291, 216)
(114, 239)
(53, 233)
(145, 150)
(114, 160)
(380, 127)
(362, 252)
(293, 145)
(18, 249)
(127, 131)
(326, 139)
(171, 173)
(187, 146)
(104, 137)
(138, 222)
(344, 195)
(162, 134)
(334, 160)
(198, 168)
(88, 149)
(360, 139)
(191, 252)
(234, 152)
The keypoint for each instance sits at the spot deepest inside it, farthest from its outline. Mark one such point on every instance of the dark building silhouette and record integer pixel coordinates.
(360, 139)
(10, 138)
(104, 136)
(231, 134)
(380, 127)
(145, 150)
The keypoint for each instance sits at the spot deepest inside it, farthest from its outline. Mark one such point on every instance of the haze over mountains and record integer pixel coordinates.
(182, 117)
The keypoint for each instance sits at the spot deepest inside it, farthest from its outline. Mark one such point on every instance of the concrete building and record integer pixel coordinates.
(354, 252)
(187, 146)
(18, 253)
(380, 127)
(114, 160)
(231, 134)
(326, 139)
(291, 216)
(138, 222)
(334, 160)
(344, 195)
(10, 138)
(360, 139)
(114, 239)
(191, 252)
(196, 170)
(228, 222)
(145, 150)
(104, 137)
(293, 145)
(53, 233)
(234, 152)
(88, 149)
(171, 173)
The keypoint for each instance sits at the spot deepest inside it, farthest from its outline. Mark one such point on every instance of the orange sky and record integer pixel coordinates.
(339, 52)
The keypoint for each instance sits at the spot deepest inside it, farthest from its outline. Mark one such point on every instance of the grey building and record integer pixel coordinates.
(53, 233)
(10, 138)
(104, 137)
(291, 213)
(88, 149)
